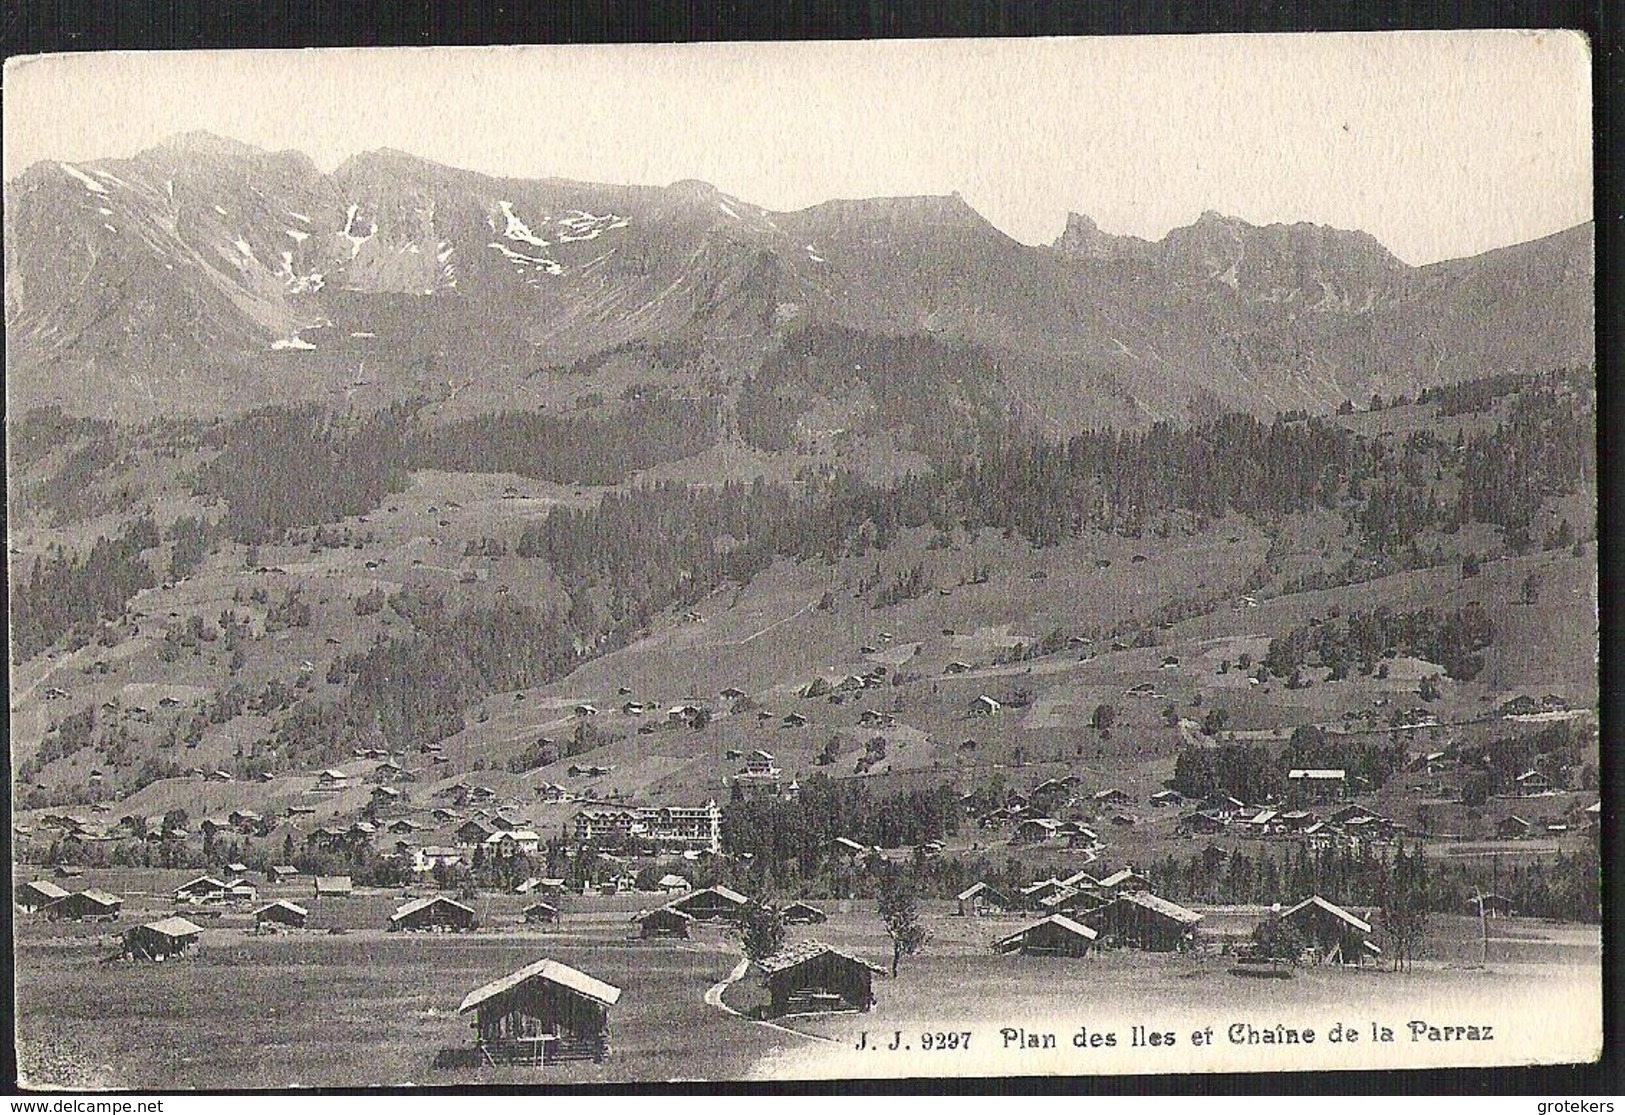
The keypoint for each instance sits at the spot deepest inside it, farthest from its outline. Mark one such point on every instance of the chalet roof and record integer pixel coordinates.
(332, 775)
(208, 881)
(46, 888)
(672, 881)
(1060, 920)
(333, 884)
(408, 909)
(1034, 888)
(802, 951)
(799, 904)
(1332, 908)
(101, 897)
(283, 903)
(1318, 774)
(721, 892)
(174, 927)
(1171, 910)
(551, 971)
(548, 906)
(974, 889)
(663, 911)
(1081, 879)
(1118, 878)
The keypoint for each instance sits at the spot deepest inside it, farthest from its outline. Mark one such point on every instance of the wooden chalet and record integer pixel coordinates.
(541, 913)
(810, 977)
(433, 915)
(38, 894)
(87, 905)
(802, 913)
(1494, 906)
(205, 888)
(1140, 919)
(282, 913)
(1335, 933)
(666, 921)
(1056, 935)
(160, 940)
(278, 872)
(544, 1013)
(334, 886)
(718, 903)
(1034, 894)
(979, 899)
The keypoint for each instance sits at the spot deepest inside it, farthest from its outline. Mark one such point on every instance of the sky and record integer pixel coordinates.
(1440, 144)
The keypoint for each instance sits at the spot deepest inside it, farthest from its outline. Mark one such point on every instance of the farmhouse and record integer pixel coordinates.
(802, 913)
(1036, 830)
(160, 940)
(437, 914)
(474, 832)
(332, 781)
(986, 706)
(1124, 881)
(1034, 895)
(1200, 822)
(1056, 935)
(665, 921)
(811, 976)
(1142, 920)
(38, 894)
(541, 913)
(1336, 934)
(1317, 785)
(848, 847)
(204, 888)
(1166, 797)
(717, 903)
(979, 899)
(544, 1013)
(1513, 827)
(279, 872)
(88, 904)
(281, 913)
(334, 886)
(672, 884)
(1532, 782)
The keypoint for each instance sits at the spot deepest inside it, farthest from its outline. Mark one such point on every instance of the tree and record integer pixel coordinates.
(761, 932)
(1104, 717)
(901, 914)
(1405, 906)
(1277, 939)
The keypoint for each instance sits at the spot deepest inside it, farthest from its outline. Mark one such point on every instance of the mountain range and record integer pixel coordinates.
(206, 276)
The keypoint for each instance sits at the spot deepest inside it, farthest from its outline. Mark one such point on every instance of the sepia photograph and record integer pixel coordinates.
(802, 561)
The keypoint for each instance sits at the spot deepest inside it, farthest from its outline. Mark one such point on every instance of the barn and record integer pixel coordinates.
(718, 903)
(334, 886)
(160, 940)
(802, 913)
(1335, 933)
(541, 913)
(38, 894)
(204, 888)
(96, 905)
(1056, 935)
(282, 913)
(979, 899)
(544, 1013)
(1140, 919)
(438, 914)
(810, 976)
(667, 921)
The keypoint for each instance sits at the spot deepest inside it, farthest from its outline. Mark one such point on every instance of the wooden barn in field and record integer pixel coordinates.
(160, 940)
(979, 899)
(802, 913)
(1056, 935)
(38, 894)
(281, 913)
(334, 886)
(544, 1013)
(812, 977)
(667, 921)
(1335, 933)
(541, 913)
(436, 915)
(718, 903)
(87, 905)
(1140, 919)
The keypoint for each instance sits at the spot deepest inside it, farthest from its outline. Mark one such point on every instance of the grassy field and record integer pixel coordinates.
(366, 1007)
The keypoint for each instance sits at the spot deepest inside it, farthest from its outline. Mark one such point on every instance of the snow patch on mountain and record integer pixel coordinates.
(812, 254)
(518, 230)
(244, 246)
(581, 225)
(298, 216)
(294, 342)
(349, 231)
(445, 251)
(219, 210)
(540, 263)
(722, 205)
(90, 183)
(298, 234)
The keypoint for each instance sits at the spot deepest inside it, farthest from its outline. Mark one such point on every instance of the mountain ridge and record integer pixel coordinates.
(211, 265)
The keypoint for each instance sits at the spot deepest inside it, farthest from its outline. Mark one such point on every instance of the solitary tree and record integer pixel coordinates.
(761, 932)
(1277, 939)
(902, 917)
